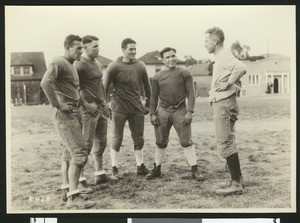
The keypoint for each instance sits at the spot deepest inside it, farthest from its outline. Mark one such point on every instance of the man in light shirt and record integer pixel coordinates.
(227, 71)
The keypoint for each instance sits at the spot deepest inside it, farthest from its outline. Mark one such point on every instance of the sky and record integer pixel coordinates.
(44, 28)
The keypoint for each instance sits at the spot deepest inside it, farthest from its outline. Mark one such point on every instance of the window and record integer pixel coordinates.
(26, 70)
(254, 80)
(17, 70)
(21, 70)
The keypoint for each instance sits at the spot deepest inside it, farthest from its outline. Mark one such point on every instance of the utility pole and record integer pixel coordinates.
(267, 47)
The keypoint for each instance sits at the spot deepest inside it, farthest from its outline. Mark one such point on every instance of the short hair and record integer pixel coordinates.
(166, 49)
(88, 39)
(127, 41)
(69, 40)
(217, 32)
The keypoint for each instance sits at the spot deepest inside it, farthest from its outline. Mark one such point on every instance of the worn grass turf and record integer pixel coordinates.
(263, 138)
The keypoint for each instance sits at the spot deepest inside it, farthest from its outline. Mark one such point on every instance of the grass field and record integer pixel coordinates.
(263, 137)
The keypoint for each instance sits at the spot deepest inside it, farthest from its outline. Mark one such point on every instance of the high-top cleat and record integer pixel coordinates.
(64, 196)
(142, 170)
(76, 202)
(196, 173)
(100, 179)
(227, 183)
(234, 189)
(115, 174)
(155, 173)
(84, 187)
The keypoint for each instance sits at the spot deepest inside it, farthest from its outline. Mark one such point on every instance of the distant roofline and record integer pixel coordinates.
(266, 59)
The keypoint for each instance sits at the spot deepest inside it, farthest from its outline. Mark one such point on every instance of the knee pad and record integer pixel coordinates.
(99, 151)
(139, 145)
(80, 161)
(66, 156)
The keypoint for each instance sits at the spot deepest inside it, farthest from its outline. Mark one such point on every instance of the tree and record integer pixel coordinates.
(189, 60)
(240, 52)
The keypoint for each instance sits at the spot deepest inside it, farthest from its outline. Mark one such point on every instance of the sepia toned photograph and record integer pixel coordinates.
(151, 109)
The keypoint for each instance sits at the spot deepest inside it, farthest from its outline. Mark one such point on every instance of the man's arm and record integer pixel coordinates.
(153, 102)
(154, 96)
(107, 80)
(147, 88)
(238, 69)
(49, 86)
(190, 90)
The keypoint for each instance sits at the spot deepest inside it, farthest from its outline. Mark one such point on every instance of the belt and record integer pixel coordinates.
(179, 105)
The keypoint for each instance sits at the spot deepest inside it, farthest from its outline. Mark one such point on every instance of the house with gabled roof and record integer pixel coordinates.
(26, 72)
(154, 64)
(104, 61)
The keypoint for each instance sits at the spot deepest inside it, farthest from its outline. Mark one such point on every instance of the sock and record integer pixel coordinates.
(159, 155)
(114, 157)
(100, 173)
(64, 186)
(73, 192)
(82, 179)
(234, 166)
(139, 157)
(190, 155)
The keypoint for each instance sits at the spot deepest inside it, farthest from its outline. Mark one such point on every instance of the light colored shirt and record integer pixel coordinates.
(227, 68)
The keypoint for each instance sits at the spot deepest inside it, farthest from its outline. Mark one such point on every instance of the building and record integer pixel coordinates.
(104, 61)
(202, 77)
(27, 70)
(267, 76)
(154, 64)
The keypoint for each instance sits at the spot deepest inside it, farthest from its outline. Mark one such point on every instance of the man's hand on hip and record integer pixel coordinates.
(68, 106)
(222, 86)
